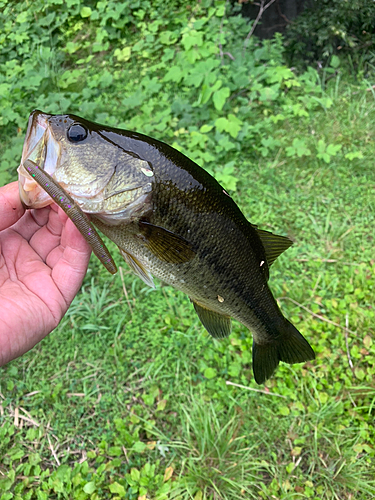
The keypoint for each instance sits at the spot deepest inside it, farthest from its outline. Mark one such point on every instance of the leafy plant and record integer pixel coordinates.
(325, 29)
(326, 151)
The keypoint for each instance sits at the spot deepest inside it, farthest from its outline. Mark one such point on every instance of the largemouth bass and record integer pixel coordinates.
(170, 220)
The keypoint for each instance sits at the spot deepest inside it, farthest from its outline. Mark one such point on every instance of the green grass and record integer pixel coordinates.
(129, 396)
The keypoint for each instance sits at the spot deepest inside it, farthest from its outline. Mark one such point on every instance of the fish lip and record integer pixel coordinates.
(41, 148)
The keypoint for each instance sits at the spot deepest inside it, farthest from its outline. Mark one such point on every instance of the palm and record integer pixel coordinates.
(43, 260)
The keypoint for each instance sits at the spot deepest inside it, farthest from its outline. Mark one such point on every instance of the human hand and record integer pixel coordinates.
(43, 260)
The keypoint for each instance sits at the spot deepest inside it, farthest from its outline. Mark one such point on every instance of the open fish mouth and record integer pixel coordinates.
(41, 148)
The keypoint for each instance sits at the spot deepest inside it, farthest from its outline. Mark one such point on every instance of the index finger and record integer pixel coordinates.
(11, 208)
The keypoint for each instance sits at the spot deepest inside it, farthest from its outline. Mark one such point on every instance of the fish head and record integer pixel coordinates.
(101, 176)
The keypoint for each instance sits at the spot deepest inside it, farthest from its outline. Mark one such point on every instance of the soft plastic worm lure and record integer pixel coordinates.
(73, 211)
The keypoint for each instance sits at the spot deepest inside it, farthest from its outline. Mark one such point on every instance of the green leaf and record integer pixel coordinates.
(71, 47)
(117, 488)
(323, 397)
(299, 110)
(22, 17)
(123, 54)
(290, 467)
(210, 373)
(220, 11)
(269, 93)
(221, 124)
(194, 79)
(332, 149)
(279, 74)
(191, 39)
(360, 373)
(63, 473)
(114, 451)
(164, 490)
(206, 128)
(168, 37)
(298, 148)
(235, 125)
(232, 125)
(142, 493)
(86, 12)
(234, 369)
(207, 91)
(89, 487)
(225, 176)
(335, 61)
(321, 147)
(219, 97)
(161, 405)
(354, 154)
(139, 447)
(16, 453)
(174, 74)
(326, 152)
(135, 474)
(284, 410)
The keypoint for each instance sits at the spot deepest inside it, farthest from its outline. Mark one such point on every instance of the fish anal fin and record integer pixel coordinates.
(138, 268)
(289, 346)
(167, 246)
(217, 325)
(273, 244)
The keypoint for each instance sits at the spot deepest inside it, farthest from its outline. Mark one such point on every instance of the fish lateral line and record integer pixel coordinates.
(74, 213)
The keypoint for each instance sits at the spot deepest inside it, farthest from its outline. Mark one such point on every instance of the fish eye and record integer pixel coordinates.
(77, 133)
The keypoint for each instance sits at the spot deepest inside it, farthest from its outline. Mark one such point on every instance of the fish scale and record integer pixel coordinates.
(171, 220)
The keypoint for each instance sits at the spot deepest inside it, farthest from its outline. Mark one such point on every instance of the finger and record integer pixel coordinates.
(69, 261)
(70, 236)
(51, 235)
(11, 209)
(60, 211)
(48, 237)
(31, 222)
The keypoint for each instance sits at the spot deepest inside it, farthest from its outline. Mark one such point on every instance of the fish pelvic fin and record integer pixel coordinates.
(290, 347)
(218, 325)
(138, 268)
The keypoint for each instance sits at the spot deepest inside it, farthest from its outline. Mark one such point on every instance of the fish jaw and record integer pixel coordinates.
(40, 147)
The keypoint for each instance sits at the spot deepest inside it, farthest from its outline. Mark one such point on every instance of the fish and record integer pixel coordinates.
(170, 219)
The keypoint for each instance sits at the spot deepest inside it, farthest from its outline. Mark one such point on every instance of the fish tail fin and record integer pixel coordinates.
(290, 346)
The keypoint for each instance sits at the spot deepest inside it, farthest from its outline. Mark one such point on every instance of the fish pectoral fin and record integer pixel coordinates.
(167, 246)
(274, 245)
(218, 325)
(138, 268)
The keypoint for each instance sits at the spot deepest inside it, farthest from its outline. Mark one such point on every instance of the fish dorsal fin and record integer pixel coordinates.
(167, 246)
(138, 268)
(274, 245)
(218, 325)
